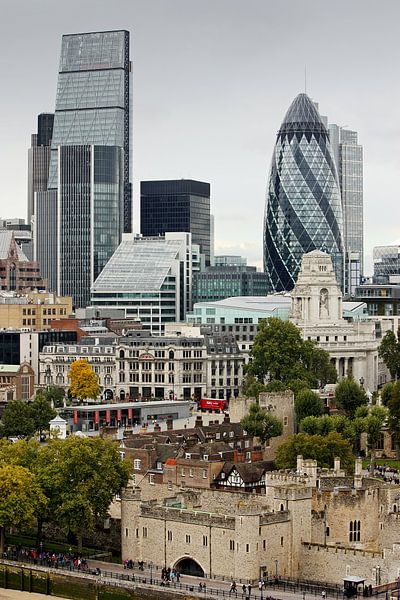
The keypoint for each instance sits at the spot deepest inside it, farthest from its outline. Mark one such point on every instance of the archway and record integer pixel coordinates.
(188, 566)
(108, 395)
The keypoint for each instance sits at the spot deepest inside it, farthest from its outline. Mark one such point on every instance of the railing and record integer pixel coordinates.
(137, 576)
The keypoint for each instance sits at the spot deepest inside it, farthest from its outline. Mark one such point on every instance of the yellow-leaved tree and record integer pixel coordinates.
(83, 380)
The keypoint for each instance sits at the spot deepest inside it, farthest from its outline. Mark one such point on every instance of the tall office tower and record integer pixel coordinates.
(94, 99)
(89, 219)
(39, 159)
(177, 205)
(348, 154)
(303, 209)
(93, 117)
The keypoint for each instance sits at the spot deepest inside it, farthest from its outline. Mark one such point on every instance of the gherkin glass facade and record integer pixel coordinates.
(303, 209)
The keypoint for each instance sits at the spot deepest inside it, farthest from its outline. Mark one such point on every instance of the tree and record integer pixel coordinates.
(318, 363)
(394, 417)
(276, 350)
(41, 413)
(84, 383)
(324, 449)
(20, 499)
(389, 351)
(260, 423)
(54, 394)
(349, 396)
(251, 387)
(297, 385)
(387, 392)
(17, 420)
(280, 354)
(308, 404)
(80, 477)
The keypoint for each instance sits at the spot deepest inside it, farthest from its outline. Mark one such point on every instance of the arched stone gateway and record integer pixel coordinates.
(188, 566)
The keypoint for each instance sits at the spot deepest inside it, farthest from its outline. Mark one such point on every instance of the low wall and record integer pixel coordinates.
(331, 564)
(78, 587)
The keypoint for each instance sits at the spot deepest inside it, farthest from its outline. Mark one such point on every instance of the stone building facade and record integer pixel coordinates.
(179, 364)
(311, 524)
(317, 310)
(17, 272)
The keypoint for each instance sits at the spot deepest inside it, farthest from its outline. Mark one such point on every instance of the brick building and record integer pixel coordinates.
(17, 272)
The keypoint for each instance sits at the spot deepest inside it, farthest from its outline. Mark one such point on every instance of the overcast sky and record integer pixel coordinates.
(212, 82)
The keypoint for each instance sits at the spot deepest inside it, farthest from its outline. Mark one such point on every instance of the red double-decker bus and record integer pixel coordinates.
(213, 404)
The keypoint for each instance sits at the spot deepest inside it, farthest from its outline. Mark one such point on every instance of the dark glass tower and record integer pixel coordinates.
(38, 160)
(180, 205)
(303, 207)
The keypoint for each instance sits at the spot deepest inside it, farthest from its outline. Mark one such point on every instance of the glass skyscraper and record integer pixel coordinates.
(89, 172)
(38, 160)
(303, 206)
(93, 100)
(348, 154)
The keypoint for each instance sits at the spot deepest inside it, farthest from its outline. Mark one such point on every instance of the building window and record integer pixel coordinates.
(169, 485)
(247, 547)
(205, 540)
(231, 545)
(281, 541)
(204, 473)
(169, 535)
(145, 532)
(151, 479)
(126, 532)
(137, 463)
(187, 538)
(137, 532)
(264, 544)
(355, 531)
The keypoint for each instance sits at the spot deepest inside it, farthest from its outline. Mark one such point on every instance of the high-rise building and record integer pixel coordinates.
(387, 263)
(89, 220)
(150, 278)
(39, 160)
(177, 205)
(303, 207)
(348, 154)
(225, 281)
(89, 190)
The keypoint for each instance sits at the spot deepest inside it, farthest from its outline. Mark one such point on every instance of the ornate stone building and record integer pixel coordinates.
(317, 310)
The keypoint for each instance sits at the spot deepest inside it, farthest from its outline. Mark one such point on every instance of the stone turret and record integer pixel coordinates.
(316, 297)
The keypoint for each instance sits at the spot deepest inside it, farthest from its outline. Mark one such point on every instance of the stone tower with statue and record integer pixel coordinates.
(317, 309)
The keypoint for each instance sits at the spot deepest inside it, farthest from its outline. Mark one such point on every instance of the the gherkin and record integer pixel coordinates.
(303, 209)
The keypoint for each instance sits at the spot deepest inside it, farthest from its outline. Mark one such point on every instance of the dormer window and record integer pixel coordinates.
(205, 456)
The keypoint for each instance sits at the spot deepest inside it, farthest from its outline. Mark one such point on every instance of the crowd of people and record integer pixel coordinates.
(387, 473)
(65, 560)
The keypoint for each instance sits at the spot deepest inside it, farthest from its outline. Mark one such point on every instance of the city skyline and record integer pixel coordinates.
(218, 90)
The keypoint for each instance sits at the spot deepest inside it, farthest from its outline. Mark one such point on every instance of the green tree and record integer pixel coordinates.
(53, 394)
(84, 383)
(349, 395)
(389, 351)
(394, 417)
(387, 392)
(317, 361)
(20, 499)
(251, 387)
(324, 449)
(307, 404)
(41, 413)
(298, 385)
(17, 420)
(80, 477)
(280, 354)
(276, 350)
(260, 423)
